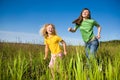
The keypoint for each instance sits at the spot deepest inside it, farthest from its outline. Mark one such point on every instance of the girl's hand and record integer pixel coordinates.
(45, 58)
(65, 53)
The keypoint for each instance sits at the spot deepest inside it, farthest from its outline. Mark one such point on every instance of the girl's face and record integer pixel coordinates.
(85, 14)
(50, 29)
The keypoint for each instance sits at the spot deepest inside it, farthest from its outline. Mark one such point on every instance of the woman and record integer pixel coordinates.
(86, 24)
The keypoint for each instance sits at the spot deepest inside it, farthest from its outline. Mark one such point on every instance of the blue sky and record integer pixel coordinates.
(20, 20)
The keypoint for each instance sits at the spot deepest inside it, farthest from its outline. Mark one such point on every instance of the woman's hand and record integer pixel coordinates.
(98, 36)
(69, 29)
(99, 31)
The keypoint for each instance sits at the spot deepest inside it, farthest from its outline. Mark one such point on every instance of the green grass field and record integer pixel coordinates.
(25, 62)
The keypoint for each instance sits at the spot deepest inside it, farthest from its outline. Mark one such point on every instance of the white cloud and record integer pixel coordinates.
(20, 37)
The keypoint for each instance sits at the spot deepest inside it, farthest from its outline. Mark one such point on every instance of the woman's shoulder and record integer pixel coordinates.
(92, 20)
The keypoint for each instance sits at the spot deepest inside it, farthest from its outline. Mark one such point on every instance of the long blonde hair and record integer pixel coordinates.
(43, 30)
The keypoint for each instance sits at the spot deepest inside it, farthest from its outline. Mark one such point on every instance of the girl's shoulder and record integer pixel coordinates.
(53, 36)
(57, 35)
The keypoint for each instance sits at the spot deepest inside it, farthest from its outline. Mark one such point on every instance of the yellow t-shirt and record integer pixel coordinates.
(53, 43)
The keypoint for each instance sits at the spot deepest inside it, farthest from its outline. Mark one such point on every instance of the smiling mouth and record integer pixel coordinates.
(50, 31)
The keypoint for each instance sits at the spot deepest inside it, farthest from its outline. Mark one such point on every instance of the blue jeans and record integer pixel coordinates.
(91, 47)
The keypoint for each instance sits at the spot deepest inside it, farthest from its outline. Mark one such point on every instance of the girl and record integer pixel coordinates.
(86, 24)
(51, 41)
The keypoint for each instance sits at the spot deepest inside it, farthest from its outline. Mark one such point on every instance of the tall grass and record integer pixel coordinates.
(25, 62)
(18, 68)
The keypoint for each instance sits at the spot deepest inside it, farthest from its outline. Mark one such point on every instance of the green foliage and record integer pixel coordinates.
(25, 62)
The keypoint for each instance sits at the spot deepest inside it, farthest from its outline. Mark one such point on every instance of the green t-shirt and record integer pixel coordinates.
(86, 29)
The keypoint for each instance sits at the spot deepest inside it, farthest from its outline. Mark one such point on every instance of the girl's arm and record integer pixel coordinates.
(98, 34)
(64, 46)
(46, 51)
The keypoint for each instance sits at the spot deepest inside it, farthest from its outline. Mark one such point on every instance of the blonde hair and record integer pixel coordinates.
(43, 30)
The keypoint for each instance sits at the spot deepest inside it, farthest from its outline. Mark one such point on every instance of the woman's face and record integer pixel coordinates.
(85, 14)
(50, 29)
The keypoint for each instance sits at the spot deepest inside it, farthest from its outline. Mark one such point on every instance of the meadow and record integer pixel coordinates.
(20, 61)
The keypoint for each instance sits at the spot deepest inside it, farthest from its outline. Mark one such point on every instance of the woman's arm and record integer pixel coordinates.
(99, 31)
(46, 51)
(72, 29)
(64, 46)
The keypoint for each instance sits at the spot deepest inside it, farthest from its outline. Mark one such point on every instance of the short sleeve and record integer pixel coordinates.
(76, 26)
(96, 24)
(59, 38)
